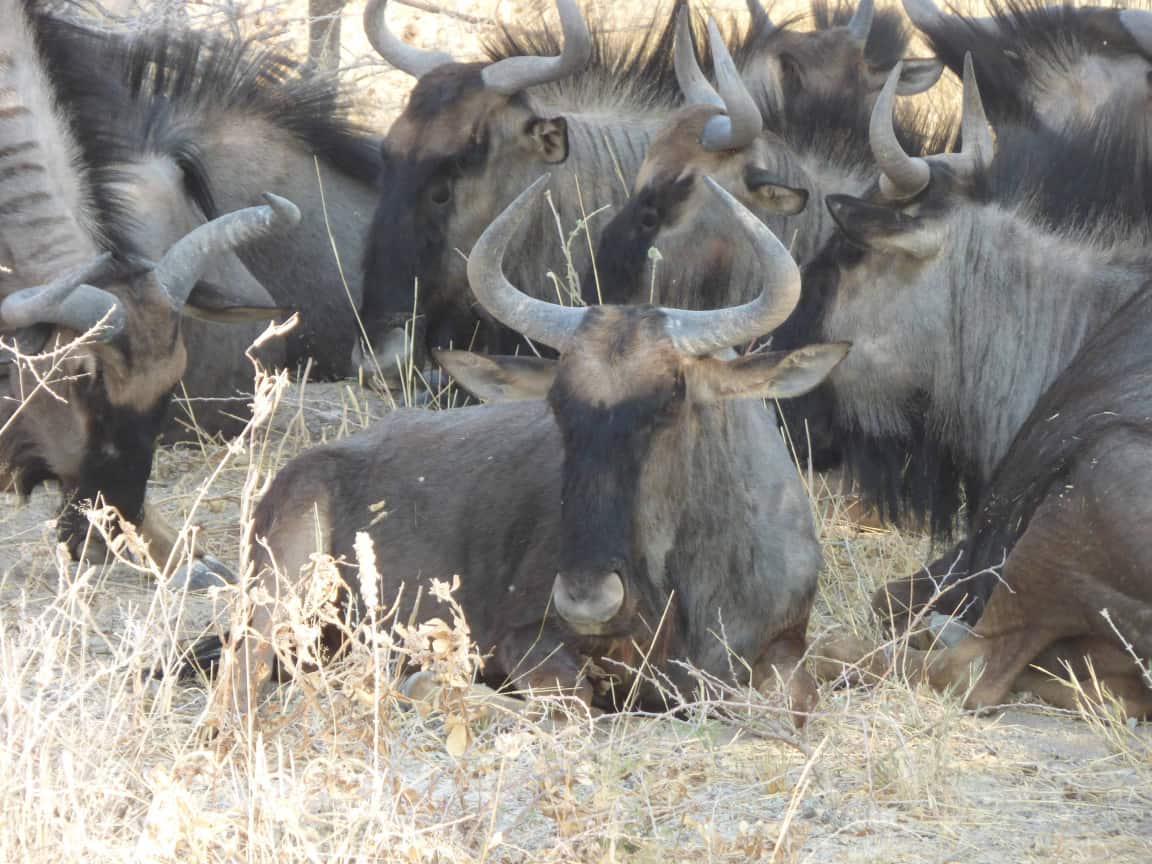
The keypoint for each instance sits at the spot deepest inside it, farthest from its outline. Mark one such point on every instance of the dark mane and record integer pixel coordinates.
(1044, 33)
(1091, 179)
(911, 478)
(627, 68)
(129, 95)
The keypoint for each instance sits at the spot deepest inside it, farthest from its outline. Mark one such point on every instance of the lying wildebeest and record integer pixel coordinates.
(202, 124)
(853, 47)
(471, 136)
(89, 417)
(1047, 63)
(1016, 350)
(642, 480)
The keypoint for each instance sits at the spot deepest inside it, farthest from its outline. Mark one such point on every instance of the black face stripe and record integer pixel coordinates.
(622, 253)
(408, 241)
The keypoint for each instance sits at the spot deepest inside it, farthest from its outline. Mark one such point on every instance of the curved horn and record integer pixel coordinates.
(690, 77)
(742, 122)
(922, 13)
(67, 302)
(181, 266)
(860, 24)
(514, 74)
(1138, 24)
(544, 322)
(407, 58)
(704, 332)
(902, 176)
(976, 135)
(761, 22)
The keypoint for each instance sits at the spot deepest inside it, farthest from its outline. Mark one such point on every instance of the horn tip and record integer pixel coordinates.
(283, 209)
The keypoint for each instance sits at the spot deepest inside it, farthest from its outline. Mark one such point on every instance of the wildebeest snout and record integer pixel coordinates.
(591, 599)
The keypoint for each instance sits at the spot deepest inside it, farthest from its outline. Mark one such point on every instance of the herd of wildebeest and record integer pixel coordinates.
(957, 311)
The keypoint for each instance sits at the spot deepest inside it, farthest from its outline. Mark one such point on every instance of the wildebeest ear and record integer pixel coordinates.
(918, 75)
(210, 302)
(774, 196)
(499, 379)
(549, 138)
(885, 227)
(770, 374)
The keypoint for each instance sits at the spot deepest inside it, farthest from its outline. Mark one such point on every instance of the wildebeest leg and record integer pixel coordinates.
(292, 538)
(204, 571)
(1091, 661)
(782, 666)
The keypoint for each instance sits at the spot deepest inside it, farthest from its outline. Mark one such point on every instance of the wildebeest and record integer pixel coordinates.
(223, 120)
(1010, 346)
(640, 479)
(89, 416)
(1047, 63)
(471, 136)
(852, 47)
(780, 174)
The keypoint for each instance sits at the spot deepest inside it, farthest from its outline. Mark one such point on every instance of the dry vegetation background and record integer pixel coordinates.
(96, 765)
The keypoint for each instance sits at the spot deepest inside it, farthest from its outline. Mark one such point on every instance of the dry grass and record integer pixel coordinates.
(98, 764)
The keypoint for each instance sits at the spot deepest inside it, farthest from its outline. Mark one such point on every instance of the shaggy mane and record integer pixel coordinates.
(628, 70)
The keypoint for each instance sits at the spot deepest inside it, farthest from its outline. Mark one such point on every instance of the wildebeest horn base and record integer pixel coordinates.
(902, 176)
(742, 122)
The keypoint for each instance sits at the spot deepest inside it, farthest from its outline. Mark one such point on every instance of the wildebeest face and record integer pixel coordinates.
(92, 408)
(451, 161)
(627, 403)
(891, 270)
(824, 63)
(672, 212)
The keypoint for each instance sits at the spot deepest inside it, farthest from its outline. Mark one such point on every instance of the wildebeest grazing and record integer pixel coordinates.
(1015, 343)
(88, 416)
(641, 479)
(222, 120)
(471, 136)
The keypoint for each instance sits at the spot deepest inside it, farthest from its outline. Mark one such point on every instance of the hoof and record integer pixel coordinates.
(947, 630)
(201, 574)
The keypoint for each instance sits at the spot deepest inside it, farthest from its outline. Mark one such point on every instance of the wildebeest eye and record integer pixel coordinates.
(440, 192)
(649, 219)
(672, 406)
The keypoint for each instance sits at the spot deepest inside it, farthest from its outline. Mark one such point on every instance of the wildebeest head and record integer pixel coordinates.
(851, 49)
(720, 135)
(93, 410)
(466, 142)
(1053, 63)
(629, 393)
